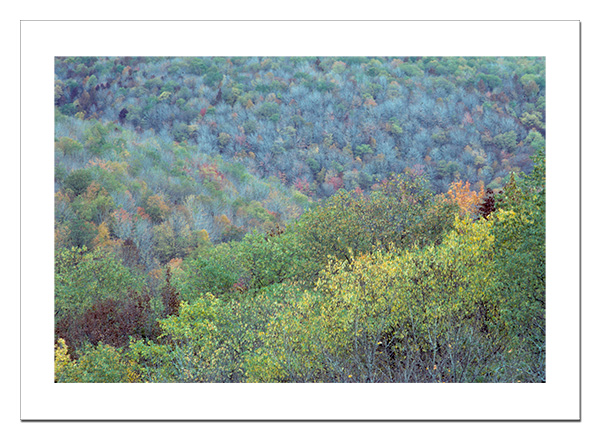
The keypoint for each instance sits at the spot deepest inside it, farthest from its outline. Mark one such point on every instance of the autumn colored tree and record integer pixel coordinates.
(487, 205)
(467, 200)
(114, 321)
(103, 238)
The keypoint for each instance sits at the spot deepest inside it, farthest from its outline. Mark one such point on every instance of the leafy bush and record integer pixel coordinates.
(402, 212)
(209, 341)
(424, 315)
(78, 181)
(99, 364)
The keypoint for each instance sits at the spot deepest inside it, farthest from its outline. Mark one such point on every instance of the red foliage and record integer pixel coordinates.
(120, 215)
(210, 172)
(110, 321)
(302, 185)
(488, 205)
(240, 139)
(282, 177)
(467, 118)
(505, 155)
(240, 286)
(502, 97)
(170, 296)
(416, 170)
(336, 182)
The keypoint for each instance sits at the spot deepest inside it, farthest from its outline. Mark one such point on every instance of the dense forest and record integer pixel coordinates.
(299, 219)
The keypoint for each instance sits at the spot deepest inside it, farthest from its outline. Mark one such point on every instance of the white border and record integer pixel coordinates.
(557, 399)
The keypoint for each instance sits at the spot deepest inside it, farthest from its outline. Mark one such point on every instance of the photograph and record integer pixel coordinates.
(300, 219)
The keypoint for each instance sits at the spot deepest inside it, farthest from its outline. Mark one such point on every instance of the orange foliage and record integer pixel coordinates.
(370, 102)
(94, 190)
(156, 274)
(460, 193)
(175, 263)
(223, 220)
(141, 213)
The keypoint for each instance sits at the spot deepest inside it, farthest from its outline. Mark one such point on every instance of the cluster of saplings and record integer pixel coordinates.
(394, 285)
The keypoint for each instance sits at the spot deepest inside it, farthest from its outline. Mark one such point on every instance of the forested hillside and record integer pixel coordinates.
(299, 219)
